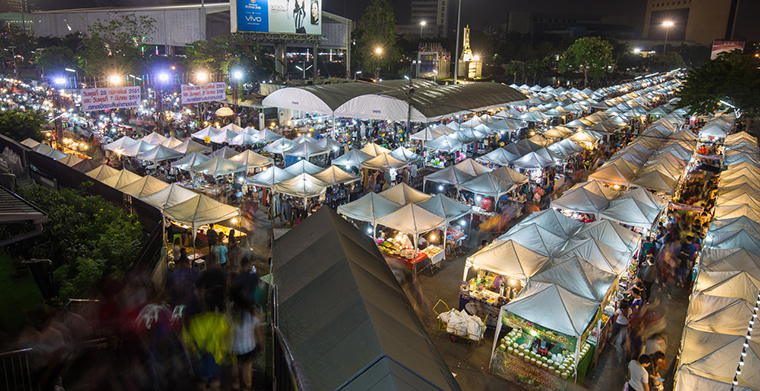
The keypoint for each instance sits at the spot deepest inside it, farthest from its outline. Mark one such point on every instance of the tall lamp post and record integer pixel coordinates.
(15, 67)
(378, 52)
(456, 56)
(409, 109)
(422, 25)
(667, 24)
(163, 78)
(60, 82)
(237, 75)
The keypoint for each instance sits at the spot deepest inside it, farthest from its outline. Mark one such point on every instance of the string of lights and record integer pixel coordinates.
(745, 345)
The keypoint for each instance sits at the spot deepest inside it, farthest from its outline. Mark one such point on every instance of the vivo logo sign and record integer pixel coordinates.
(253, 18)
(376, 112)
(295, 103)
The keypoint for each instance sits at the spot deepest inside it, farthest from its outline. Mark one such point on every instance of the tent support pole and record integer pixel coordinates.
(333, 125)
(445, 227)
(466, 269)
(577, 353)
(496, 336)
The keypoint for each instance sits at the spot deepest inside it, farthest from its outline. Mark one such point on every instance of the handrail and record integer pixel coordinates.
(15, 352)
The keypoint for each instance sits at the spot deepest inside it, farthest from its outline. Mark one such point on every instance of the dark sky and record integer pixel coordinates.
(476, 13)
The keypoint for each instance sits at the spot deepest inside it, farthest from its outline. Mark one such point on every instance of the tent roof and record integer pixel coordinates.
(352, 158)
(405, 155)
(510, 175)
(267, 135)
(144, 186)
(208, 131)
(169, 196)
(403, 194)
(200, 210)
(723, 212)
(123, 178)
(488, 184)
(536, 237)
(136, 148)
(70, 160)
(450, 176)
(599, 254)
(555, 222)
(306, 150)
(280, 145)
(303, 166)
(270, 177)
(301, 185)
(329, 144)
(30, 142)
(191, 160)
(412, 219)
(581, 200)
(120, 144)
(733, 239)
(368, 208)
(631, 212)
(553, 307)
(715, 314)
(334, 175)
(233, 127)
(472, 167)
(499, 156)
(731, 259)
(373, 149)
(656, 181)
(86, 165)
(159, 153)
(714, 356)
(382, 162)
(189, 146)
(219, 166)
(431, 132)
(577, 276)
(153, 138)
(249, 159)
(446, 143)
(46, 150)
(244, 138)
(344, 316)
(225, 152)
(443, 206)
(611, 234)
(171, 142)
(508, 258)
(102, 172)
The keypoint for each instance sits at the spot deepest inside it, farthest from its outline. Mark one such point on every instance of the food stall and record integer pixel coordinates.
(411, 220)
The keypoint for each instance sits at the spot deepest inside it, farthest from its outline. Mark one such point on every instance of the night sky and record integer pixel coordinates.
(476, 13)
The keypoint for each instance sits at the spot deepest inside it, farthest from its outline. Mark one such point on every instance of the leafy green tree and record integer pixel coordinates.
(376, 37)
(212, 56)
(732, 77)
(20, 125)
(113, 47)
(86, 238)
(514, 69)
(54, 60)
(13, 40)
(590, 55)
(665, 62)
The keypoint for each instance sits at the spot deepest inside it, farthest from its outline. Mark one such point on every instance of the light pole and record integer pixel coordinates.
(163, 78)
(237, 75)
(378, 52)
(60, 82)
(667, 24)
(422, 25)
(15, 67)
(409, 109)
(456, 56)
(76, 76)
(201, 77)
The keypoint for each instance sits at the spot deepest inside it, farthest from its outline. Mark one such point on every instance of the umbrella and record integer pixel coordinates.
(224, 112)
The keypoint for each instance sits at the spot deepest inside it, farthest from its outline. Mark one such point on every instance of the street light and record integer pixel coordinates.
(409, 107)
(378, 52)
(201, 76)
(163, 78)
(667, 24)
(237, 75)
(76, 75)
(114, 79)
(60, 81)
(422, 24)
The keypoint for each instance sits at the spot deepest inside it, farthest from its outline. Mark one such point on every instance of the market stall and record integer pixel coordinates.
(252, 161)
(410, 220)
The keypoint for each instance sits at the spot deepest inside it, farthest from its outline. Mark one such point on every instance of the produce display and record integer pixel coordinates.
(432, 250)
(561, 364)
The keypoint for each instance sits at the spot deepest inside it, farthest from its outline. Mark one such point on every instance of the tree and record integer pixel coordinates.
(515, 68)
(20, 125)
(54, 60)
(376, 37)
(86, 238)
(13, 40)
(113, 47)
(732, 77)
(663, 62)
(589, 55)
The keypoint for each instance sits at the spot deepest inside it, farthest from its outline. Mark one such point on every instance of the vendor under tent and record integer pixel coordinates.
(333, 175)
(373, 149)
(352, 158)
(405, 155)
(225, 152)
(390, 348)
(30, 143)
(269, 177)
(712, 131)
(251, 160)
(206, 132)
(224, 136)
(120, 144)
(70, 160)
(218, 166)
(301, 186)
(280, 145)
(159, 153)
(153, 138)
(123, 178)
(383, 162)
(303, 166)
(413, 220)
(368, 209)
(190, 146)
(189, 161)
(169, 196)
(102, 172)
(145, 186)
(200, 210)
(46, 150)
(171, 142)
(404, 194)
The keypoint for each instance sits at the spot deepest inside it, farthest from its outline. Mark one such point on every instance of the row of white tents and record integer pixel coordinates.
(725, 298)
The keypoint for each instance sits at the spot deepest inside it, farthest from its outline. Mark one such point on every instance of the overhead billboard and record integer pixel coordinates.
(208, 92)
(110, 98)
(276, 16)
(725, 46)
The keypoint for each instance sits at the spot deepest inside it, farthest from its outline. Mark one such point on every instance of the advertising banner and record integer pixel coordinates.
(208, 92)
(725, 46)
(277, 16)
(110, 98)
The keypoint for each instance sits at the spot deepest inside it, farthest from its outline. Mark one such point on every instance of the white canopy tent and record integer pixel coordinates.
(334, 175)
(120, 144)
(251, 159)
(369, 208)
(404, 194)
(153, 138)
(383, 162)
(352, 158)
(159, 153)
(137, 148)
(280, 146)
(102, 172)
(145, 186)
(269, 177)
(303, 166)
(190, 146)
(225, 152)
(218, 166)
(70, 160)
(169, 196)
(373, 149)
(189, 161)
(208, 131)
(302, 186)
(306, 150)
(123, 178)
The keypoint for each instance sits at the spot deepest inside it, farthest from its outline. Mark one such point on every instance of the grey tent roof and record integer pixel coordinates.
(344, 316)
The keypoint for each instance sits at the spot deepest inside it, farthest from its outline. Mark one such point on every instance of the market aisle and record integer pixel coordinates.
(607, 376)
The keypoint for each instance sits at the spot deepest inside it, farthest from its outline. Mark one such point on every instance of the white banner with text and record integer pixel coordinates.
(208, 92)
(110, 98)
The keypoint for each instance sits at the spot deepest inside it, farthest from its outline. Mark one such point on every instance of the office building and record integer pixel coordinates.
(694, 21)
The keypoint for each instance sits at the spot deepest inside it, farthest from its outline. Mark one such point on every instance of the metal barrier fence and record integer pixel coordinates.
(16, 370)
